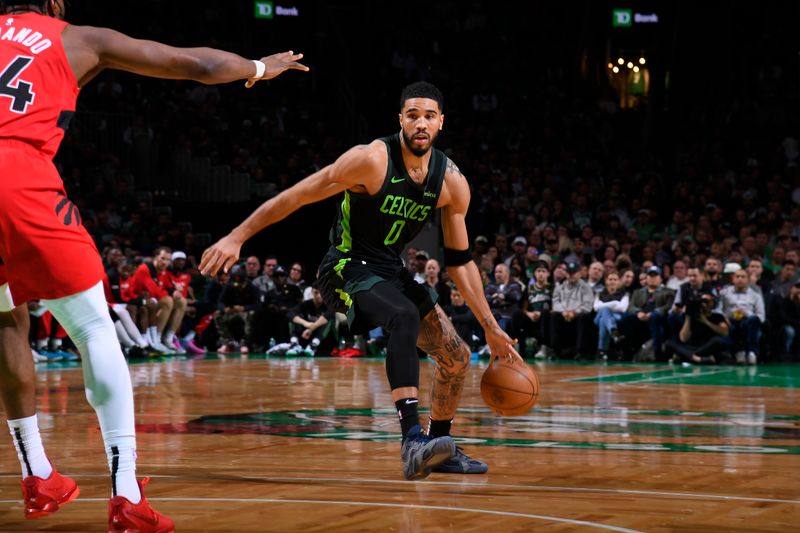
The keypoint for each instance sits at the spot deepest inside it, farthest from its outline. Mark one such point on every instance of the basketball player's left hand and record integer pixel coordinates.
(277, 64)
(501, 345)
(223, 254)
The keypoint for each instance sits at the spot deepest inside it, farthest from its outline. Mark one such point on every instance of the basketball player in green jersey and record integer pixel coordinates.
(390, 189)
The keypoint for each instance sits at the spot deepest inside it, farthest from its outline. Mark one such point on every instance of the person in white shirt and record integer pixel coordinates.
(609, 305)
(680, 275)
(743, 306)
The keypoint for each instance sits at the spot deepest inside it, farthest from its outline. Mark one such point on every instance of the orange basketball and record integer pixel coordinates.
(510, 389)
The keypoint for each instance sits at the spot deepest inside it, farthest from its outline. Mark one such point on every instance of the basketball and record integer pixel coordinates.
(510, 389)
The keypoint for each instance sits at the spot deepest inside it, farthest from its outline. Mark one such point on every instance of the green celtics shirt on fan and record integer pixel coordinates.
(373, 230)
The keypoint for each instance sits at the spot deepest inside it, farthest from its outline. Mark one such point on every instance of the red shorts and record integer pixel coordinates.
(3, 278)
(47, 252)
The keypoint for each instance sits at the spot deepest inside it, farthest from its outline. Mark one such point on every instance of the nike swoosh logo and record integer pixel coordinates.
(411, 401)
(398, 180)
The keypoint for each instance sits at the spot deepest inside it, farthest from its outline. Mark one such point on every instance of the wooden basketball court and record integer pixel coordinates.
(261, 444)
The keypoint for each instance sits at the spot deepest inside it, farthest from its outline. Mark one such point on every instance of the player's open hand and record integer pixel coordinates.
(501, 345)
(221, 255)
(277, 64)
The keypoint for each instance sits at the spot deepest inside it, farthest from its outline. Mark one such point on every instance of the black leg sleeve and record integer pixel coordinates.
(386, 306)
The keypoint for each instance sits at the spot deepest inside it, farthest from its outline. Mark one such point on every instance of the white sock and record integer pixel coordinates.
(30, 451)
(41, 345)
(294, 340)
(55, 344)
(128, 324)
(315, 343)
(121, 452)
(105, 373)
(169, 337)
(153, 332)
(122, 335)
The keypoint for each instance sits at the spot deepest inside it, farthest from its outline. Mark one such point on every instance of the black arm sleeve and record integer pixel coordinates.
(456, 257)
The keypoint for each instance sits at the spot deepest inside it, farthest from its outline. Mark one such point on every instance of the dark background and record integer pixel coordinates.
(705, 59)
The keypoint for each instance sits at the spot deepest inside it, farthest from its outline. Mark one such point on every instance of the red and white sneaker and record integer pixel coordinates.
(126, 517)
(45, 496)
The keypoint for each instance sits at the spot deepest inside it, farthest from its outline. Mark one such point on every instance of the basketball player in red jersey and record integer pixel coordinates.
(43, 64)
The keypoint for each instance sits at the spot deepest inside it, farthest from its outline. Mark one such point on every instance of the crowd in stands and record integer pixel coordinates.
(590, 241)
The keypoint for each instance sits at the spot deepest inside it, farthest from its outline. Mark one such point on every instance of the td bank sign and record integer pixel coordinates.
(268, 10)
(625, 18)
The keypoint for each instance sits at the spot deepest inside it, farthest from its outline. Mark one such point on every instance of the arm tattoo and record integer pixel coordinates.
(451, 167)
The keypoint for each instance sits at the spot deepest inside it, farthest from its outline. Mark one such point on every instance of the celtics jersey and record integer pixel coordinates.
(376, 228)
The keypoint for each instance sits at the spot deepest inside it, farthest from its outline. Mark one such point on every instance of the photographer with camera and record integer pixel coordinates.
(686, 292)
(703, 338)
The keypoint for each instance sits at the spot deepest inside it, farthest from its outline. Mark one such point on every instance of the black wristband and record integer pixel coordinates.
(456, 257)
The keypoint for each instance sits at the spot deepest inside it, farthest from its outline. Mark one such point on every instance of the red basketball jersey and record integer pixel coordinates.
(181, 282)
(38, 90)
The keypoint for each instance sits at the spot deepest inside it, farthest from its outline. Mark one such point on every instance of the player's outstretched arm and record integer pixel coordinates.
(466, 275)
(91, 50)
(350, 170)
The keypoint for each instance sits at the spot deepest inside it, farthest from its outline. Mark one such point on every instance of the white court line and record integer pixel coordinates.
(379, 504)
(550, 488)
(601, 376)
(678, 375)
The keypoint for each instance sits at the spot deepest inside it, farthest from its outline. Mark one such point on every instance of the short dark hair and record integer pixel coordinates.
(422, 89)
(5, 4)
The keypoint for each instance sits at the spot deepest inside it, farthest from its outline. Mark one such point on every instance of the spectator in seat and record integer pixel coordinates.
(264, 283)
(744, 309)
(519, 247)
(147, 284)
(420, 263)
(689, 291)
(646, 318)
(311, 321)
(789, 323)
(432, 280)
(785, 280)
(181, 279)
(277, 304)
(411, 260)
(480, 247)
(680, 275)
(504, 296)
(252, 268)
(571, 314)
(609, 306)
(713, 274)
(755, 269)
(237, 300)
(464, 321)
(296, 273)
(595, 277)
(534, 317)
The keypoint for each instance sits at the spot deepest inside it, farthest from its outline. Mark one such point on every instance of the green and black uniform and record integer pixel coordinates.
(371, 232)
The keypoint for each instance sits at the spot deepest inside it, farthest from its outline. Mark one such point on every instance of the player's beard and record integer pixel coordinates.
(419, 152)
